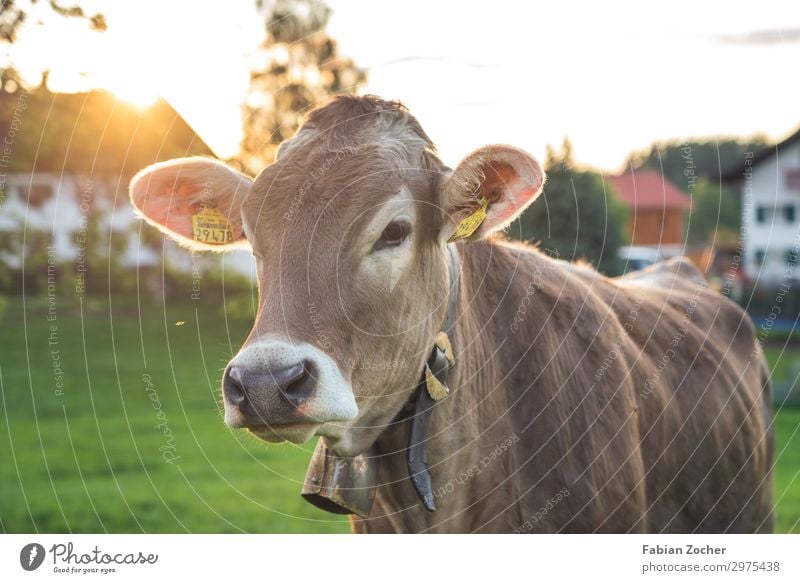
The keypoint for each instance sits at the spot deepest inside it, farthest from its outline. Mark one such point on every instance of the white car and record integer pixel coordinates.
(638, 257)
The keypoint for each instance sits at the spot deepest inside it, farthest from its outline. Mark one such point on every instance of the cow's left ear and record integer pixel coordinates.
(488, 190)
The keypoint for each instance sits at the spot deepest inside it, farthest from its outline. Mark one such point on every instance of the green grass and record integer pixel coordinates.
(89, 460)
(787, 470)
(782, 360)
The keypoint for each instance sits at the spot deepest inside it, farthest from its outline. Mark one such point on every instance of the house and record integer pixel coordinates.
(62, 205)
(656, 205)
(64, 172)
(769, 183)
(657, 210)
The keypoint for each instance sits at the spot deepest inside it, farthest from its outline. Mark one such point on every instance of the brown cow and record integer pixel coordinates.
(578, 403)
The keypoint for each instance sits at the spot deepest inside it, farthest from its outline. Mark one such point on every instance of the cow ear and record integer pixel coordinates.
(488, 190)
(196, 201)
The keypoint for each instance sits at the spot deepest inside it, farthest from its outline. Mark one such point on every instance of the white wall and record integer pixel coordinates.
(775, 235)
(65, 213)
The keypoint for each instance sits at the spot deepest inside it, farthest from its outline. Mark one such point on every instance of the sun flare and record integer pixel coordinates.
(137, 94)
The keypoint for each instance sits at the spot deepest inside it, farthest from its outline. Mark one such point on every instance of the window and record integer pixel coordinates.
(759, 257)
(39, 194)
(788, 213)
(761, 214)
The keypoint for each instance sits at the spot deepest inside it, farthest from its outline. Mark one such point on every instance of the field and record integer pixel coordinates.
(134, 442)
(89, 461)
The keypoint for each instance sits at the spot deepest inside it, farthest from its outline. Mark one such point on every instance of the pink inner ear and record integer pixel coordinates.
(169, 205)
(507, 192)
(178, 217)
(499, 178)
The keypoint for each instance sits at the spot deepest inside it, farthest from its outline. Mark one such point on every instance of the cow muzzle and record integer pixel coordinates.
(281, 391)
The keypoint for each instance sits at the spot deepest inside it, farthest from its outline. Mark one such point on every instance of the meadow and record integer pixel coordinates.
(111, 422)
(136, 442)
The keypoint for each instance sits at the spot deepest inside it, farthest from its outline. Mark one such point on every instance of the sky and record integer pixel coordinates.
(612, 76)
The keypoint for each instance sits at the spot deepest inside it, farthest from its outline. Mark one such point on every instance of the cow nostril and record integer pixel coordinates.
(300, 383)
(232, 387)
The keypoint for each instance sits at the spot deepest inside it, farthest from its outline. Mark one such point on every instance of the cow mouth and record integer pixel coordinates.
(280, 433)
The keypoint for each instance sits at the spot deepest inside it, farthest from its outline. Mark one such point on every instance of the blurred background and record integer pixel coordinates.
(665, 130)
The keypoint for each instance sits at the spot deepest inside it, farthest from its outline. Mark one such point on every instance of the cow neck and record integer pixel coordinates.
(418, 410)
(347, 485)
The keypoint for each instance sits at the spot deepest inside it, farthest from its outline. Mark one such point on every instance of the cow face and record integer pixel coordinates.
(349, 230)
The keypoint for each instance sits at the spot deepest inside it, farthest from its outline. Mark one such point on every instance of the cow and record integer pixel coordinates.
(568, 402)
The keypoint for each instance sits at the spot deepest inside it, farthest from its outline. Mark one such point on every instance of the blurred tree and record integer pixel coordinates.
(14, 14)
(297, 66)
(105, 248)
(716, 213)
(9, 244)
(576, 217)
(704, 158)
(33, 251)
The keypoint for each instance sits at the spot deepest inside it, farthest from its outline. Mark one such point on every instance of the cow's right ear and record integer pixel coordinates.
(196, 201)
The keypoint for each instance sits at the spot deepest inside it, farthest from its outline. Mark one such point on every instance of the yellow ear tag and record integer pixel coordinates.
(436, 390)
(211, 227)
(443, 342)
(471, 223)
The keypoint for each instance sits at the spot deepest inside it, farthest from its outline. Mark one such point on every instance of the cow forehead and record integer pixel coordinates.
(331, 189)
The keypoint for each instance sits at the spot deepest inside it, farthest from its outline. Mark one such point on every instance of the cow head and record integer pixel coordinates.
(349, 229)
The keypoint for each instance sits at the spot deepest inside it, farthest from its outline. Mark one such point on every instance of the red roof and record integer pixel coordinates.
(648, 190)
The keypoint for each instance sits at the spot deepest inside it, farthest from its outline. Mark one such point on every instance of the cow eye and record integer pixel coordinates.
(393, 235)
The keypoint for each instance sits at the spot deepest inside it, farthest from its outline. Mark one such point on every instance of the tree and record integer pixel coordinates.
(577, 216)
(13, 16)
(716, 213)
(682, 162)
(300, 67)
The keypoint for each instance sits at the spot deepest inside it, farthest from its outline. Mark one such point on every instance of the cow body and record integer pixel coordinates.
(638, 404)
(578, 403)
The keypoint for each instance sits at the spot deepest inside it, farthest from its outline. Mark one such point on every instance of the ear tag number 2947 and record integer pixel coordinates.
(211, 227)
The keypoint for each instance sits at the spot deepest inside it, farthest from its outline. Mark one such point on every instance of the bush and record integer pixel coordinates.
(576, 217)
